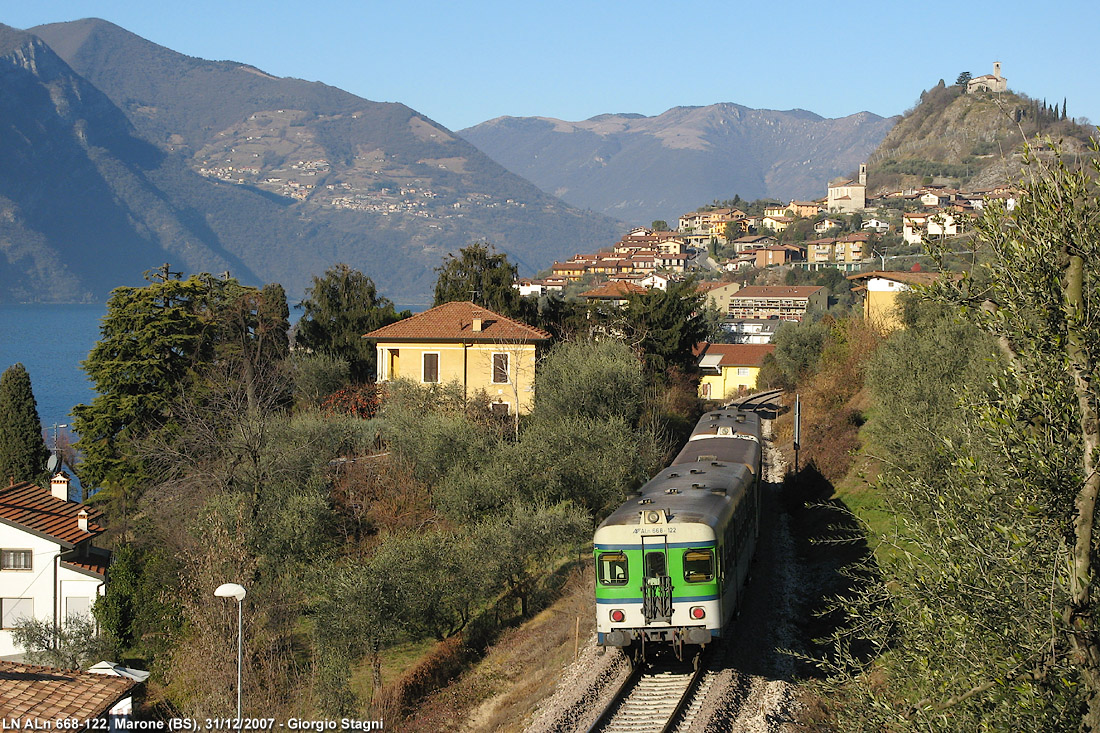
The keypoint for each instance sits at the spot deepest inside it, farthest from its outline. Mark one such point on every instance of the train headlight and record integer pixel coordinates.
(618, 616)
(698, 612)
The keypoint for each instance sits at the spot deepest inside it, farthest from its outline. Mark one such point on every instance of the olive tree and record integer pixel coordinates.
(987, 616)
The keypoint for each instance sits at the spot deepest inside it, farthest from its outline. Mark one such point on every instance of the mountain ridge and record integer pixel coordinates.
(684, 156)
(217, 166)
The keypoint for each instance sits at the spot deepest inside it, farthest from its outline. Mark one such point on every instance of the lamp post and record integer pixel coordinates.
(233, 590)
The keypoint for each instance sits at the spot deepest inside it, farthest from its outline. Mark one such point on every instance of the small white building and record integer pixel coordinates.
(916, 226)
(49, 569)
(527, 286)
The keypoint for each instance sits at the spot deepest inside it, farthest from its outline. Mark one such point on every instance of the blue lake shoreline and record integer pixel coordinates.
(51, 340)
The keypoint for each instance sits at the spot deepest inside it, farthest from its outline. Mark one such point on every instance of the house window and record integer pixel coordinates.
(742, 371)
(431, 368)
(14, 610)
(500, 408)
(79, 606)
(15, 559)
(500, 369)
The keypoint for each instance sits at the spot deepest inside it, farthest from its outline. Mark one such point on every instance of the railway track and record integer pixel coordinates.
(654, 699)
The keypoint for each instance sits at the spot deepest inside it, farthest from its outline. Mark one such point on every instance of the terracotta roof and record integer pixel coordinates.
(735, 354)
(778, 291)
(615, 290)
(455, 322)
(94, 565)
(32, 508)
(706, 287)
(46, 693)
(912, 278)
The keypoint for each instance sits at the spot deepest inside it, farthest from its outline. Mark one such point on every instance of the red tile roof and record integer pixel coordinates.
(46, 693)
(778, 291)
(736, 354)
(30, 507)
(95, 565)
(614, 290)
(455, 322)
(913, 278)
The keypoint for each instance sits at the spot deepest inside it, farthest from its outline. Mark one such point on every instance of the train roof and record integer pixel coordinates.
(700, 493)
(717, 422)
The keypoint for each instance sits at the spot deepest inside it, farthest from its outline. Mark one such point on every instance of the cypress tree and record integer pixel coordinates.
(23, 453)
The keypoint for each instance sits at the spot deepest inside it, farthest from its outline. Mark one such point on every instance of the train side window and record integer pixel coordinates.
(698, 565)
(613, 568)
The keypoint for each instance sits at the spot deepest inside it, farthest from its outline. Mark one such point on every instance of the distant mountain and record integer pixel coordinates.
(640, 168)
(969, 141)
(118, 154)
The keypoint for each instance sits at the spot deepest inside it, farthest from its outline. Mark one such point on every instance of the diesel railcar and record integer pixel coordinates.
(671, 562)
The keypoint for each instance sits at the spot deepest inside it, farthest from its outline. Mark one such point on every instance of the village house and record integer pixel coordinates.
(613, 293)
(49, 568)
(826, 224)
(752, 242)
(729, 370)
(654, 280)
(776, 223)
(752, 331)
(718, 294)
(804, 209)
(527, 286)
(785, 302)
(876, 225)
(916, 226)
(465, 343)
(779, 254)
(880, 293)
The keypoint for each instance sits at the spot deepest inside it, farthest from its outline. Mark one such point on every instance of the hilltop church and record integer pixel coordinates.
(988, 82)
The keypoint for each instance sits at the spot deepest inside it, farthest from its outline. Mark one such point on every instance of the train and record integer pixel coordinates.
(673, 560)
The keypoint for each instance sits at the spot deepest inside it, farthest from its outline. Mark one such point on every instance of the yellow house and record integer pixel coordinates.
(729, 370)
(880, 294)
(465, 343)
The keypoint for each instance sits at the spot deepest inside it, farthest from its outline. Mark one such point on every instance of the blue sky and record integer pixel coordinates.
(461, 63)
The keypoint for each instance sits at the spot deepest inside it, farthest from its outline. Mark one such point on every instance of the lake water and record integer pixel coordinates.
(51, 341)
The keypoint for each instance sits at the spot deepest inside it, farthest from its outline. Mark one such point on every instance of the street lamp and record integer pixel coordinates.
(233, 590)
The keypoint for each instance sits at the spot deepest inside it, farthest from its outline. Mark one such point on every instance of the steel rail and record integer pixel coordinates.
(634, 684)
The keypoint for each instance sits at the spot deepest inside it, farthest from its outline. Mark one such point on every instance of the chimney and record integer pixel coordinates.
(59, 486)
(82, 520)
(477, 323)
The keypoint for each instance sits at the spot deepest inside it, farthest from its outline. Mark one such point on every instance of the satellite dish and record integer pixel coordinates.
(53, 464)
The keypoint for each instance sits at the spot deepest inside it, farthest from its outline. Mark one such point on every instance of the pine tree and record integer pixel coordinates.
(339, 308)
(482, 275)
(23, 453)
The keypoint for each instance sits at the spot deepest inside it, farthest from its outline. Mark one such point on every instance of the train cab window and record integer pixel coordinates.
(698, 565)
(613, 568)
(655, 565)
